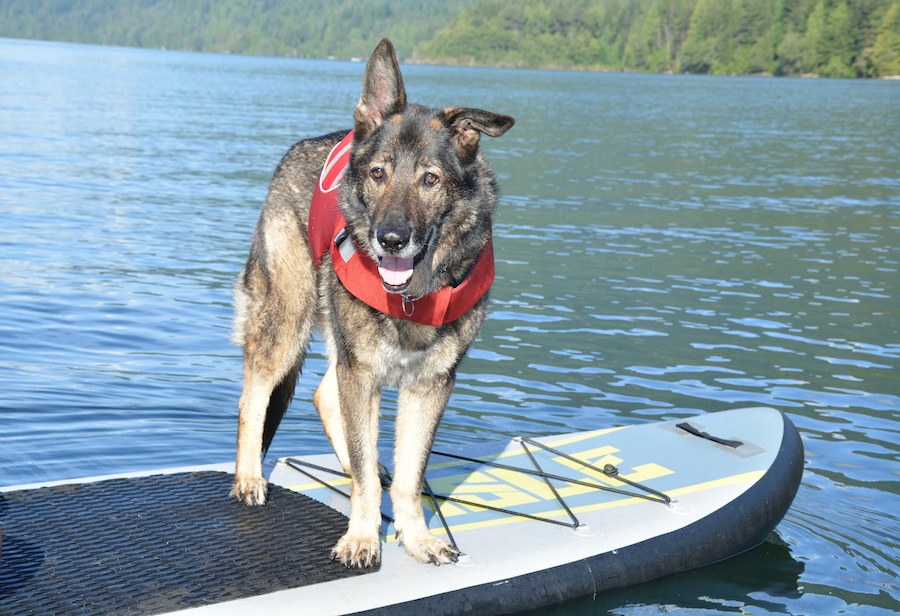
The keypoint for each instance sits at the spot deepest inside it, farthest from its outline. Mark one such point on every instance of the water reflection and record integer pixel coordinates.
(765, 578)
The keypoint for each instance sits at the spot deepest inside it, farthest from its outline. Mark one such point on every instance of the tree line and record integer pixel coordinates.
(832, 38)
(295, 28)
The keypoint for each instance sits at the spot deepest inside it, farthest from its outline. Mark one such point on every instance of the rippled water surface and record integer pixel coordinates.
(666, 246)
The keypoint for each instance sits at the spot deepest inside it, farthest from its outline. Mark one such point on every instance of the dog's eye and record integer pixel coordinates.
(377, 174)
(430, 179)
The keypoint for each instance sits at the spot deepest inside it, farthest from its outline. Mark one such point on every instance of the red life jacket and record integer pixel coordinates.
(359, 273)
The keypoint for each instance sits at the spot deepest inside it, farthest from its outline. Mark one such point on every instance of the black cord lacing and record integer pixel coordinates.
(608, 470)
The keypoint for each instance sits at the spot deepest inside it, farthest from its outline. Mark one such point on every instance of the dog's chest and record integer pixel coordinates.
(401, 363)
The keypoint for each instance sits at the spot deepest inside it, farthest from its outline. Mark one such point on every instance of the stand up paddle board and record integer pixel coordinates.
(538, 520)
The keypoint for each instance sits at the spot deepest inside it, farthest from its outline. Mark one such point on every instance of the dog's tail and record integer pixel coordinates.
(278, 403)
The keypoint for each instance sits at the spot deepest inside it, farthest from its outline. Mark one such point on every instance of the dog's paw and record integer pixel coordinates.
(250, 490)
(429, 549)
(355, 551)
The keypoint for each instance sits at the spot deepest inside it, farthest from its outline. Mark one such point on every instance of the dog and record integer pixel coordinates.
(414, 205)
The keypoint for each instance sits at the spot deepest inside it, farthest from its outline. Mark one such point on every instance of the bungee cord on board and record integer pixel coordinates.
(608, 470)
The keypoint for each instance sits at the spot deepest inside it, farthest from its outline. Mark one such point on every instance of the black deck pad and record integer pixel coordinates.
(160, 543)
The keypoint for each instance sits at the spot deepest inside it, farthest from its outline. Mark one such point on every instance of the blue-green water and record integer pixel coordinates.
(666, 246)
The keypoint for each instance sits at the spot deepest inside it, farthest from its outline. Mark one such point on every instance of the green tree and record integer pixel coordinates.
(884, 56)
(700, 48)
(646, 45)
(836, 45)
(795, 55)
(813, 37)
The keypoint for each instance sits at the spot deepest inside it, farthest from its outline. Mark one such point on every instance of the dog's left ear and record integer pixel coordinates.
(466, 126)
(382, 91)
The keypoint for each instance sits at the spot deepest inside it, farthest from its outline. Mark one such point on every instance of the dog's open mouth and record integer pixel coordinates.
(396, 272)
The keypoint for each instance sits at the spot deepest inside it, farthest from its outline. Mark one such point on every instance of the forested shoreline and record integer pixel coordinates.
(829, 38)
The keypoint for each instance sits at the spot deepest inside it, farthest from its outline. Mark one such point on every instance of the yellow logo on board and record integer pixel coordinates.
(509, 489)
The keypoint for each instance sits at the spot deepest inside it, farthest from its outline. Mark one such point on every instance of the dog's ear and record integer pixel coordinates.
(466, 126)
(382, 91)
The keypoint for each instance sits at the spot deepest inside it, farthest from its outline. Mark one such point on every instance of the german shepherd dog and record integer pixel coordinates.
(417, 198)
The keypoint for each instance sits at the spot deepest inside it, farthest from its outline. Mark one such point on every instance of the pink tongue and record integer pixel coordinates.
(395, 271)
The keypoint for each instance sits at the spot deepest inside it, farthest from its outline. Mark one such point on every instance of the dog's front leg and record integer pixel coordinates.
(420, 408)
(360, 397)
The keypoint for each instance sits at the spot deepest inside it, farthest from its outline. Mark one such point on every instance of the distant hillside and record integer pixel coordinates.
(834, 38)
(307, 28)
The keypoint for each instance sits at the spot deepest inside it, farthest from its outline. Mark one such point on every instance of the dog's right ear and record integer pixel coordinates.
(382, 91)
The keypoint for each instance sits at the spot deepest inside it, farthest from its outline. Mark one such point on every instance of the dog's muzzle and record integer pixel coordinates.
(396, 266)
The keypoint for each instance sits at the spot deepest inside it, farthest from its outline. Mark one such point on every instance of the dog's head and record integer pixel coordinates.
(420, 197)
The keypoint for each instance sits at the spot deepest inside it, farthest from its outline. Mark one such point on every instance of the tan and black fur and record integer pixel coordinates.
(417, 186)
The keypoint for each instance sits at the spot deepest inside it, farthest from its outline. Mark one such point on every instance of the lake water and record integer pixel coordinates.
(666, 246)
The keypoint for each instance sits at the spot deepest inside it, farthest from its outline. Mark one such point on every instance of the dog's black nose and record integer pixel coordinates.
(393, 236)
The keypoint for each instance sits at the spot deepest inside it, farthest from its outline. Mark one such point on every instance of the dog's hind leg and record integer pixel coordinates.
(329, 407)
(269, 380)
(275, 300)
(419, 410)
(249, 485)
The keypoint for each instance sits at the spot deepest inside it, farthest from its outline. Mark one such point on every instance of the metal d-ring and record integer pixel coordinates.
(406, 300)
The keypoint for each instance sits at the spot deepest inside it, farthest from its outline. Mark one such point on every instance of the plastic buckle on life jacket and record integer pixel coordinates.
(345, 248)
